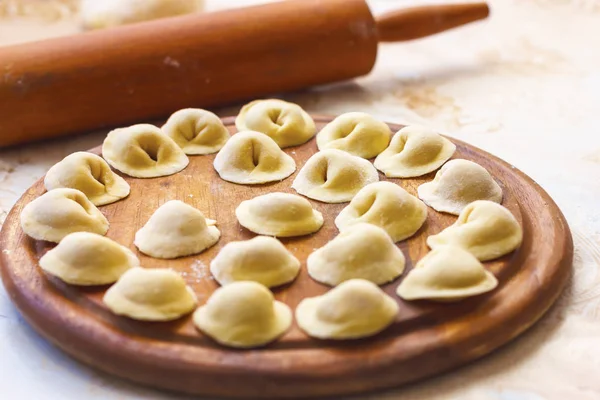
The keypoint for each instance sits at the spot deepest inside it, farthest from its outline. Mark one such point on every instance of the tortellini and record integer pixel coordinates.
(196, 131)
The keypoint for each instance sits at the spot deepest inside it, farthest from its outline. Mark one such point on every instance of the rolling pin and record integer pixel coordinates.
(148, 70)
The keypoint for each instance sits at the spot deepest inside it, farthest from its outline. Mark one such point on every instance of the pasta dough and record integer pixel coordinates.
(352, 310)
(196, 131)
(414, 151)
(457, 184)
(252, 158)
(356, 133)
(334, 176)
(87, 259)
(286, 123)
(262, 259)
(143, 151)
(58, 212)
(386, 205)
(484, 228)
(150, 295)
(279, 214)
(175, 230)
(89, 174)
(243, 315)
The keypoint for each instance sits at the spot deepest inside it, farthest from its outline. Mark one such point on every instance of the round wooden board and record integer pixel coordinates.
(426, 338)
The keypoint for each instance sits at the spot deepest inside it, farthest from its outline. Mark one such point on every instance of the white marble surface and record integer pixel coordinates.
(524, 85)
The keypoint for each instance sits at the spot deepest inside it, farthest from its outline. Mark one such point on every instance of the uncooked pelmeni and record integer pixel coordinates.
(484, 228)
(58, 212)
(262, 259)
(286, 123)
(414, 151)
(457, 184)
(150, 295)
(334, 176)
(176, 230)
(243, 315)
(196, 131)
(279, 214)
(447, 273)
(253, 158)
(143, 151)
(352, 310)
(386, 205)
(89, 174)
(87, 259)
(356, 133)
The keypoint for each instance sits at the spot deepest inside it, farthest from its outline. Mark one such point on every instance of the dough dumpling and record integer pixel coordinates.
(484, 228)
(286, 123)
(279, 214)
(143, 151)
(58, 212)
(414, 151)
(457, 184)
(262, 259)
(88, 259)
(352, 310)
(356, 133)
(447, 273)
(386, 205)
(252, 158)
(150, 295)
(89, 174)
(334, 176)
(363, 251)
(176, 230)
(243, 315)
(196, 131)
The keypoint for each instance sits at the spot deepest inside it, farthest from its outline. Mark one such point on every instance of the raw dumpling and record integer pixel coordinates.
(457, 184)
(352, 310)
(89, 174)
(414, 151)
(334, 176)
(286, 123)
(279, 214)
(386, 205)
(252, 158)
(262, 259)
(363, 251)
(356, 133)
(87, 259)
(176, 230)
(243, 315)
(56, 213)
(484, 228)
(447, 273)
(150, 295)
(143, 151)
(196, 131)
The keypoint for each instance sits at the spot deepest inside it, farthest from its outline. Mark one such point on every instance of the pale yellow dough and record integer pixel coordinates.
(386, 205)
(252, 158)
(447, 273)
(88, 259)
(279, 214)
(196, 131)
(334, 176)
(286, 123)
(356, 133)
(262, 259)
(176, 230)
(414, 151)
(243, 315)
(143, 151)
(457, 184)
(150, 295)
(352, 310)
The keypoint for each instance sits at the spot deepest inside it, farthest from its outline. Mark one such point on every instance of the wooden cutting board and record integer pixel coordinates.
(426, 338)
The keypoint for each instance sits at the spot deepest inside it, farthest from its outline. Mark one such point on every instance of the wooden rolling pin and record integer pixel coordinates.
(145, 71)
